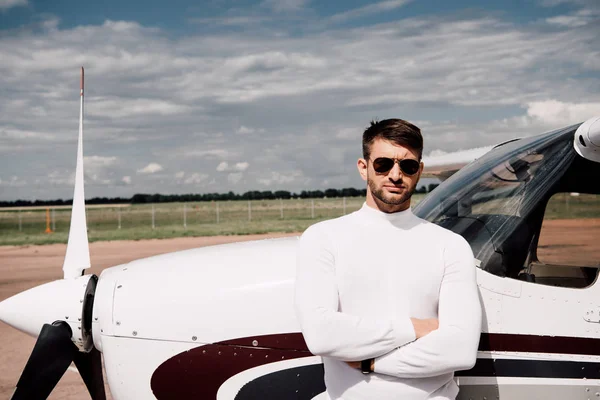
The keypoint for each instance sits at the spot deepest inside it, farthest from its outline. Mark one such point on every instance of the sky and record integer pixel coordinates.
(215, 96)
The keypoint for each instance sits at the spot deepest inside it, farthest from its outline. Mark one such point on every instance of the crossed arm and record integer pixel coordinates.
(402, 347)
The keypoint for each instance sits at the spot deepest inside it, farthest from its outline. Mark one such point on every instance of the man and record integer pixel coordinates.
(387, 299)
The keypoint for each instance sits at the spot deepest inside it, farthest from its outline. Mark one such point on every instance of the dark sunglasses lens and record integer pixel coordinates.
(382, 164)
(409, 167)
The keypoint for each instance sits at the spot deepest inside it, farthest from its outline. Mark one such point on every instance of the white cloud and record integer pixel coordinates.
(576, 19)
(126, 180)
(439, 157)
(553, 3)
(348, 133)
(558, 113)
(91, 162)
(14, 182)
(150, 168)
(242, 20)
(213, 153)
(196, 178)
(240, 166)
(285, 5)
(96, 169)
(374, 8)
(179, 174)
(122, 108)
(277, 178)
(244, 130)
(6, 4)
(23, 135)
(62, 178)
(234, 177)
(50, 23)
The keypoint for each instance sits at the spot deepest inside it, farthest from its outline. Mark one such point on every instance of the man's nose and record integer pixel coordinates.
(395, 173)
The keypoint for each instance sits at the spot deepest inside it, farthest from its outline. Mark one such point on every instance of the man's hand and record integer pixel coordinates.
(424, 326)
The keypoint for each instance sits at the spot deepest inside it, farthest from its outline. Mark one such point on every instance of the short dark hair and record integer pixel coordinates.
(397, 131)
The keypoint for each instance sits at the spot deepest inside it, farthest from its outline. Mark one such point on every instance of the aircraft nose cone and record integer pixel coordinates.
(60, 300)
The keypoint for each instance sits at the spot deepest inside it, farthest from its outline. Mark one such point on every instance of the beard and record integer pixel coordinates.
(380, 194)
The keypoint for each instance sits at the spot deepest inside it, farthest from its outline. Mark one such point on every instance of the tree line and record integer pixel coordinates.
(142, 198)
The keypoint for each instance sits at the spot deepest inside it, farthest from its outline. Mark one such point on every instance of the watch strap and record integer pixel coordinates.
(365, 366)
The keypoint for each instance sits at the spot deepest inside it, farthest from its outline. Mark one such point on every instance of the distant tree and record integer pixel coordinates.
(331, 193)
(282, 194)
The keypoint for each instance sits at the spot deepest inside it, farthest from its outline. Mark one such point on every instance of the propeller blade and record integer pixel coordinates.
(50, 358)
(77, 257)
(90, 369)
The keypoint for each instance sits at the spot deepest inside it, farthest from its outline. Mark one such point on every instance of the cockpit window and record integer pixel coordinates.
(497, 203)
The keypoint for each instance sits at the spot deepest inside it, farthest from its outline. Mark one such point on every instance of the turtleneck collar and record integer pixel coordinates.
(394, 218)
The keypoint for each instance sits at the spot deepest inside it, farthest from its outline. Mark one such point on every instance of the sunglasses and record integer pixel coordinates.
(408, 166)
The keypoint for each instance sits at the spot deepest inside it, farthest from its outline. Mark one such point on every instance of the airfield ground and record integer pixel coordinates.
(23, 267)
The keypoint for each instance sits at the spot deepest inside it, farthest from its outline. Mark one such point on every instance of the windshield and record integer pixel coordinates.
(490, 201)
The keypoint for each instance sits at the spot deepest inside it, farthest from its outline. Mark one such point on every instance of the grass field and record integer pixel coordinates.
(167, 220)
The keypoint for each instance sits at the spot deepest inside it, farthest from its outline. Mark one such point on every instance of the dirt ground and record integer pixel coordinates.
(24, 267)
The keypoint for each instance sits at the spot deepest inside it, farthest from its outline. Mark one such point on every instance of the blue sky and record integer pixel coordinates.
(194, 97)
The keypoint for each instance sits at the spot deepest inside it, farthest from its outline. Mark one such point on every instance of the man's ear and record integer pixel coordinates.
(362, 166)
(420, 171)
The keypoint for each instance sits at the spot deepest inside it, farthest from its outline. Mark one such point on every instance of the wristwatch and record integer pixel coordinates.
(365, 366)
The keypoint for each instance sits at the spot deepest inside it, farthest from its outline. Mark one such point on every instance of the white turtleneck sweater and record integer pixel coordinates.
(361, 277)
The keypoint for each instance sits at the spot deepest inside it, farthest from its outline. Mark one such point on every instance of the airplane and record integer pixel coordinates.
(218, 322)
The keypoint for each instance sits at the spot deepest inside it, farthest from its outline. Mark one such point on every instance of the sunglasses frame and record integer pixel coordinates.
(399, 162)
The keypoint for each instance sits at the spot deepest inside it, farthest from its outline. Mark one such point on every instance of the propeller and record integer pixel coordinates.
(51, 356)
(69, 303)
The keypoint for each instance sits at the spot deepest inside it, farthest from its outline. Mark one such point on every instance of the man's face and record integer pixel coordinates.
(393, 189)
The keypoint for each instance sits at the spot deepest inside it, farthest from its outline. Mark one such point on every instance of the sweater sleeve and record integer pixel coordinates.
(453, 346)
(327, 331)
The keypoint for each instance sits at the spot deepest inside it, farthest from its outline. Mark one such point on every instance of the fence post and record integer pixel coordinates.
(119, 216)
(20, 221)
(249, 211)
(344, 205)
(48, 230)
(184, 216)
(53, 221)
(217, 203)
(312, 208)
(152, 216)
(281, 207)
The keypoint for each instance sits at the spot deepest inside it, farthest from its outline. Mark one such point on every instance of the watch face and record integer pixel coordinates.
(365, 367)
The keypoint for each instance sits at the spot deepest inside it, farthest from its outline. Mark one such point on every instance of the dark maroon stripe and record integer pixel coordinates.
(539, 344)
(198, 373)
(287, 341)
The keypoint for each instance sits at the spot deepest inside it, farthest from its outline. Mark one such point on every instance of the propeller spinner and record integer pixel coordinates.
(59, 313)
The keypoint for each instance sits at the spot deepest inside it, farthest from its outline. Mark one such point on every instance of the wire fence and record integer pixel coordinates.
(154, 216)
